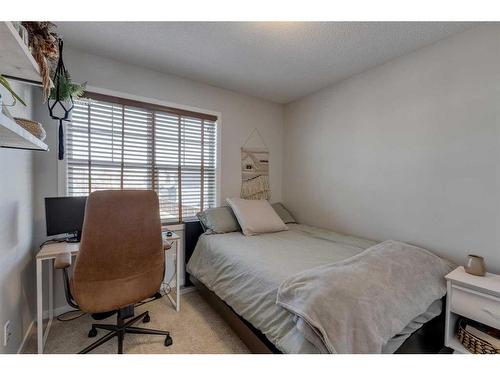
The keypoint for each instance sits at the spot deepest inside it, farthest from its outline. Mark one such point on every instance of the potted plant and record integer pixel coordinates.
(64, 92)
(62, 96)
(7, 86)
(33, 127)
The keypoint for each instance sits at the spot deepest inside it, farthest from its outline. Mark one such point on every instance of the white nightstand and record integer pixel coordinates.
(473, 297)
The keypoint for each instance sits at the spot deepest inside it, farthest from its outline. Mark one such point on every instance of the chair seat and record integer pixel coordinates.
(117, 293)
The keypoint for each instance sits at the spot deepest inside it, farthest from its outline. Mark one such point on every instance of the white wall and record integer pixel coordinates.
(240, 114)
(409, 150)
(17, 270)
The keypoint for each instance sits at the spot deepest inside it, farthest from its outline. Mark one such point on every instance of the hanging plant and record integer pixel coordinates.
(62, 96)
(67, 89)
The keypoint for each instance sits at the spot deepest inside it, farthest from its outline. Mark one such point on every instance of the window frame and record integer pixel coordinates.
(62, 165)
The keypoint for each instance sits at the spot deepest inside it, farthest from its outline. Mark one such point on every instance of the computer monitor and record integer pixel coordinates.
(65, 215)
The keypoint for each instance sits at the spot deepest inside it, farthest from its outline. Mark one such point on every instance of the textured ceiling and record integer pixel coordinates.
(279, 61)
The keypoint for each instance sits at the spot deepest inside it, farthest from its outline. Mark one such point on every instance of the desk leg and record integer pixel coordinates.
(51, 300)
(39, 309)
(177, 277)
(51, 289)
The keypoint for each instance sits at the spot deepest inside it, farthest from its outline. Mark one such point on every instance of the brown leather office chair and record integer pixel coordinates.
(120, 262)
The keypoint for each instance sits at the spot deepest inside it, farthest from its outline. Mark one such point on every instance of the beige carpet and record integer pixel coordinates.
(195, 329)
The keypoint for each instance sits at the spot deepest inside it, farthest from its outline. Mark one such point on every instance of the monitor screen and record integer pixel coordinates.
(64, 215)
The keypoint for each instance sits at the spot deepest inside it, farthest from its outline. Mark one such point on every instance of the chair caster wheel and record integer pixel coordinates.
(168, 341)
(92, 332)
(146, 319)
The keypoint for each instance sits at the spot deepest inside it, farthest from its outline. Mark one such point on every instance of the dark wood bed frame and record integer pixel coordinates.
(428, 339)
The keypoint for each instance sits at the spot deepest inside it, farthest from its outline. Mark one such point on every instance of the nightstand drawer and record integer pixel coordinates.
(475, 305)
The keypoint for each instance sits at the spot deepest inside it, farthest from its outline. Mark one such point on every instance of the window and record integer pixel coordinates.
(114, 143)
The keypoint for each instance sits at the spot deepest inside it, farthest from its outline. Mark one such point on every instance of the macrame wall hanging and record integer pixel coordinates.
(255, 170)
(61, 105)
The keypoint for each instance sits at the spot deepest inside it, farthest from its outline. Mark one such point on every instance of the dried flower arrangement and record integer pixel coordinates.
(43, 41)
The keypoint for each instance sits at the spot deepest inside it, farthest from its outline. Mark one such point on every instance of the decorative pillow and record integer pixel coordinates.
(218, 220)
(283, 213)
(256, 216)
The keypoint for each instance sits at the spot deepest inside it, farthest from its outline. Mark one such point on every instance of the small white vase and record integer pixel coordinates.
(4, 110)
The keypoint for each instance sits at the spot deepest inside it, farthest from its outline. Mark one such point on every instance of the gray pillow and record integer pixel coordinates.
(256, 216)
(283, 213)
(218, 220)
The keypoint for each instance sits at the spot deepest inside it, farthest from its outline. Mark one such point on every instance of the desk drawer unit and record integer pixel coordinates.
(482, 307)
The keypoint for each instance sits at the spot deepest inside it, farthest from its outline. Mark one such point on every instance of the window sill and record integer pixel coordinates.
(174, 227)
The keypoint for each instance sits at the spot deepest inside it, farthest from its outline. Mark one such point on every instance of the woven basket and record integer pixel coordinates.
(473, 343)
(33, 127)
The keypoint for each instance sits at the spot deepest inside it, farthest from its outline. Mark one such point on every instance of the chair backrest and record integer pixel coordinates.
(121, 257)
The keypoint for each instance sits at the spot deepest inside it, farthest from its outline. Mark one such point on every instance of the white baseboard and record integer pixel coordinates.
(57, 311)
(26, 336)
(187, 289)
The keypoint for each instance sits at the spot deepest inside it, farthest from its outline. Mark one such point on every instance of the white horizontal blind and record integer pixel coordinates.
(118, 146)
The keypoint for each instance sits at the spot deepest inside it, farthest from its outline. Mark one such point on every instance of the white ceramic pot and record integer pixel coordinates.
(475, 265)
(59, 110)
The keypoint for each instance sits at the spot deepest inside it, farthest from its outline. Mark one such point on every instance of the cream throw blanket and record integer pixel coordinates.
(358, 304)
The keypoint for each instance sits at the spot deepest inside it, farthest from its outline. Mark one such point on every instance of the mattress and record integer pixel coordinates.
(246, 272)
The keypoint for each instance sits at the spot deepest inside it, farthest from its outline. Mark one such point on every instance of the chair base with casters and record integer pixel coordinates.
(122, 325)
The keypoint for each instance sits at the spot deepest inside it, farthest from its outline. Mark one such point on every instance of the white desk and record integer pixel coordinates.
(49, 252)
(173, 240)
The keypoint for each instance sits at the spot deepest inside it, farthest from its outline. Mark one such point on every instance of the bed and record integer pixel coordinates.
(240, 276)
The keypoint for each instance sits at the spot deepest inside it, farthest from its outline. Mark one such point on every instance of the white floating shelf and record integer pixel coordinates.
(16, 60)
(13, 135)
